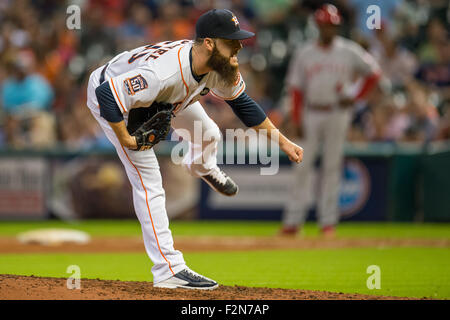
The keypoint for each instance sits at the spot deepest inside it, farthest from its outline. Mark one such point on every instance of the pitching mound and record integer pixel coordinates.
(14, 287)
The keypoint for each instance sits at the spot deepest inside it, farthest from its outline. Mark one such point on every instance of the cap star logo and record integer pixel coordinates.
(235, 20)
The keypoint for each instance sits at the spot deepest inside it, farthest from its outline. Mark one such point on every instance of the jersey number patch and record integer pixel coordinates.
(135, 84)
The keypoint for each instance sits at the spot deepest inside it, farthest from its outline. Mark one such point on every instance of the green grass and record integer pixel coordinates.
(412, 272)
(236, 228)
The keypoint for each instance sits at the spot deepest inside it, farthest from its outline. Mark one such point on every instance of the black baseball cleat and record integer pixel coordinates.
(187, 279)
(221, 183)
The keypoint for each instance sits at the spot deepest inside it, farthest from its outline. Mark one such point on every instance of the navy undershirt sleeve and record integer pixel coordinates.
(246, 109)
(108, 106)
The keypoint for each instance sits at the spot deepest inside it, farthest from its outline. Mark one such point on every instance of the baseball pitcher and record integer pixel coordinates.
(139, 94)
(317, 79)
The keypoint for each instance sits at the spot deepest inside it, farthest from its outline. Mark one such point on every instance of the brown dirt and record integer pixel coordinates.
(14, 287)
(199, 244)
(31, 288)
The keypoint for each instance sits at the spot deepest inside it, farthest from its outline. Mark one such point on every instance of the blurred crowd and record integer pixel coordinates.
(44, 65)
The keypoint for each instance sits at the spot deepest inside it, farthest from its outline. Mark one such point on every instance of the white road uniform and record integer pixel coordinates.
(137, 78)
(321, 74)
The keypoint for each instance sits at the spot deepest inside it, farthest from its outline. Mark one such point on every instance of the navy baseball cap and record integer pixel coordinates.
(220, 23)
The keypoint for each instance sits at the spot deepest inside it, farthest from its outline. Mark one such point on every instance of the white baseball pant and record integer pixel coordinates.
(327, 129)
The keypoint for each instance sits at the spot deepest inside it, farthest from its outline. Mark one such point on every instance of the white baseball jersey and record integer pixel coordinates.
(162, 73)
(320, 73)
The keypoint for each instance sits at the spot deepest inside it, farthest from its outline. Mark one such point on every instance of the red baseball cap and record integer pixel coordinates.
(327, 14)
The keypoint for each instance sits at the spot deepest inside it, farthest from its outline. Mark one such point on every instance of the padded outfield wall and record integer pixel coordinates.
(381, 182)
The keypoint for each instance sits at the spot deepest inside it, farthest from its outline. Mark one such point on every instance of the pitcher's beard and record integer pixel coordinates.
(223, 67)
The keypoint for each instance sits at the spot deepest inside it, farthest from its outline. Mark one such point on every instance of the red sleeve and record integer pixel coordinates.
(297, 105)
(369, 82)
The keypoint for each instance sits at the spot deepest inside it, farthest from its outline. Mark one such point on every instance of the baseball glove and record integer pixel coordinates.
(150, 125)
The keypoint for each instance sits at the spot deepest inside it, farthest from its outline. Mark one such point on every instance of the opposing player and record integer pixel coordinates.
(169, 78)
(321, 112)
